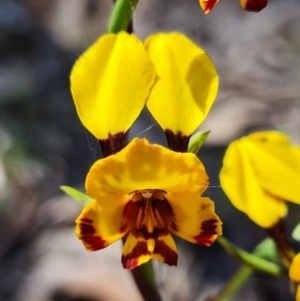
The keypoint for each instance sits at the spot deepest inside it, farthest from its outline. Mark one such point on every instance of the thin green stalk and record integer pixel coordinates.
(121, 15)
(264, 251)
(236, 282)
(251, 260)
(145, 280)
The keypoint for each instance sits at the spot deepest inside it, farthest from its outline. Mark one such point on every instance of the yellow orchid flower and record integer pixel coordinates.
(260, 172)
(249, 5)
(295, 274)
(144, 193)
(114, 78)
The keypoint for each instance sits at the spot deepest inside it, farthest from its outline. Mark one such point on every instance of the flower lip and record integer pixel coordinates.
(148, 213)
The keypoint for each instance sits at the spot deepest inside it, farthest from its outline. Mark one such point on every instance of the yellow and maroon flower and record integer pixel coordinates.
(295, 274)
(248, 5)
(144, 193)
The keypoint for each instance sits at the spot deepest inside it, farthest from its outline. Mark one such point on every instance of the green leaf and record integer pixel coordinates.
(234, 284)
(79, 196)
(267, 249)
(196, 141)
(252, 260)
(296, 233)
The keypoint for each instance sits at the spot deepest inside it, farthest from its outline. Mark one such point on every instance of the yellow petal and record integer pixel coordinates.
(110, 83)
(243, 187)
(254, 5)
(144, 166)
(295, 269)
(137, 251)
(208, 5)
(276, 163)
(187, 82)
(195, 217)
(99, 226)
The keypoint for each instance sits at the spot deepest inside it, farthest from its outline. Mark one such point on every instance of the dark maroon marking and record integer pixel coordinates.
(86, 220)
(174, 227)
(86, 229)
(87, 235)
(113, 144)
(208, 231)
(166, 212)
(209, 227)
(123, 228)
(256, 5)
(130, 214)
(170, 256)
(164, 218)
(143, 232)
(130, 260)
(93, 243)
(177, 142)
(131, 209)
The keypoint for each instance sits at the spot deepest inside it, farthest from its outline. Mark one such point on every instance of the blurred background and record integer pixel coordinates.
(43, 145)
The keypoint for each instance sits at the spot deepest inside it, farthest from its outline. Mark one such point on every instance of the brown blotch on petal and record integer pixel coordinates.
(177, 142)
(86, 220)
(166, 212)
(130, 260)
(87, 235)
(131, 209)
(208, 232)
(209, 227)
(255, 5)
(170, 256)
(87, 229)
(143, 232)
(113, 144)
(93, 243)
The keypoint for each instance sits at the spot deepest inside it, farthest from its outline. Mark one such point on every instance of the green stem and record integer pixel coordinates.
(237, 281)
(251, 260)
(263, 251)
(121, 15)
(145, 280)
